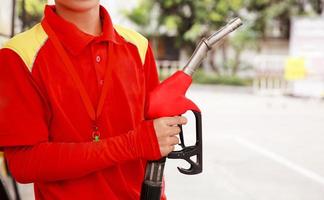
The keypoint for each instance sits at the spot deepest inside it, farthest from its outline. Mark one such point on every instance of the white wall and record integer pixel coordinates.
(116, 9)
(5, 16)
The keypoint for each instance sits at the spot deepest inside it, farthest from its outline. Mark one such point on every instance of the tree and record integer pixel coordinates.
(189, 20)
(30, 12)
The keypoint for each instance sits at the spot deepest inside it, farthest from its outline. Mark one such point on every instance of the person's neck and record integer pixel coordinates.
(87, 21)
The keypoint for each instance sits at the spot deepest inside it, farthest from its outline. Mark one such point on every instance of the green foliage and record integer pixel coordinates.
(189, 20)
(280, 10)
(246, 38)
(202, 77)
(172, 22)
(207, 78)
(33, 12)
(193, 33)
(141, 15)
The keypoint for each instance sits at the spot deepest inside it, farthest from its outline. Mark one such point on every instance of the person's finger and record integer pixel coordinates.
(174, 140)
(166, 150)
(178, 120)
(175, 130)
(171, 148)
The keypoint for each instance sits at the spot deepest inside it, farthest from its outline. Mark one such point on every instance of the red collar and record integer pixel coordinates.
(74, 39)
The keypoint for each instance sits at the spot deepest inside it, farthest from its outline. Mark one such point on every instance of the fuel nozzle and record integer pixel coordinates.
(207, 44)
(168, 99)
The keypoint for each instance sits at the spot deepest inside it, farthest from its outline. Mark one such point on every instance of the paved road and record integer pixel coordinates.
(255, 148)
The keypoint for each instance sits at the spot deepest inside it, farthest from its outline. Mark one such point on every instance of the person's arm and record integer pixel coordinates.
(23, 134)
(58, 161)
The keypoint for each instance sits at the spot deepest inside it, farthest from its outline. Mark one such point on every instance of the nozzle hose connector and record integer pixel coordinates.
(152, 185)
(154, 171)
(207, 44)
(153, 179)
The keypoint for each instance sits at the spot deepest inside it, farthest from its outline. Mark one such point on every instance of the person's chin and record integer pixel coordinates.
(80, 5)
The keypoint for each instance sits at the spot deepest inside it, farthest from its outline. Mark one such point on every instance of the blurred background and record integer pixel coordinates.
(261, 91)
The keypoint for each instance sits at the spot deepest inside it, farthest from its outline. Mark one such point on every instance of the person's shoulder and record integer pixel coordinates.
(130, 35)
(134, 38)
(27, 44)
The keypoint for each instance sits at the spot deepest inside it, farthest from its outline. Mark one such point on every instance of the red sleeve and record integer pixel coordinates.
(23, 119)
(23, 134)
(150, 69)
(60, 161)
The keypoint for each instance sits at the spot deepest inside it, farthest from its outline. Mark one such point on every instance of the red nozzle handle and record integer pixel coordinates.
(168, 99)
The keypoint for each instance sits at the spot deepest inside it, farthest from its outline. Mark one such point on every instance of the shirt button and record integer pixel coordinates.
(98, 59)
(101, 82)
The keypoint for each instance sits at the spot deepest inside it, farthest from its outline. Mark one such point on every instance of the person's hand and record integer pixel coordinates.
(167, 129)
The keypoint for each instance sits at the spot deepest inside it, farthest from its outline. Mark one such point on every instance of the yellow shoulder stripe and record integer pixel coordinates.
(27, 44)
(135, 38)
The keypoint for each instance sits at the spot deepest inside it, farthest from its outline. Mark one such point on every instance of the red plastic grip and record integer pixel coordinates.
(168, 99)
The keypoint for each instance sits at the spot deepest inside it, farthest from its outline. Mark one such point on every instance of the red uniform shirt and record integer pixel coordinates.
(45, 129)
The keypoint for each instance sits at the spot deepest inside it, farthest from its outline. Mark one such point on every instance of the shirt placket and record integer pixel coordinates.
(99, 57)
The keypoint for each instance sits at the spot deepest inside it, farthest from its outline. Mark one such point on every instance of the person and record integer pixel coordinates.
(72, 106)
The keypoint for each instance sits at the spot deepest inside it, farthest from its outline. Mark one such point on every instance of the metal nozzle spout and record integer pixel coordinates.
(207, 44)
(219, 35)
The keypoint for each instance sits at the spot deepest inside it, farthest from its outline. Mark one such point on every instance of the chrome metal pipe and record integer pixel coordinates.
(207, 44)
